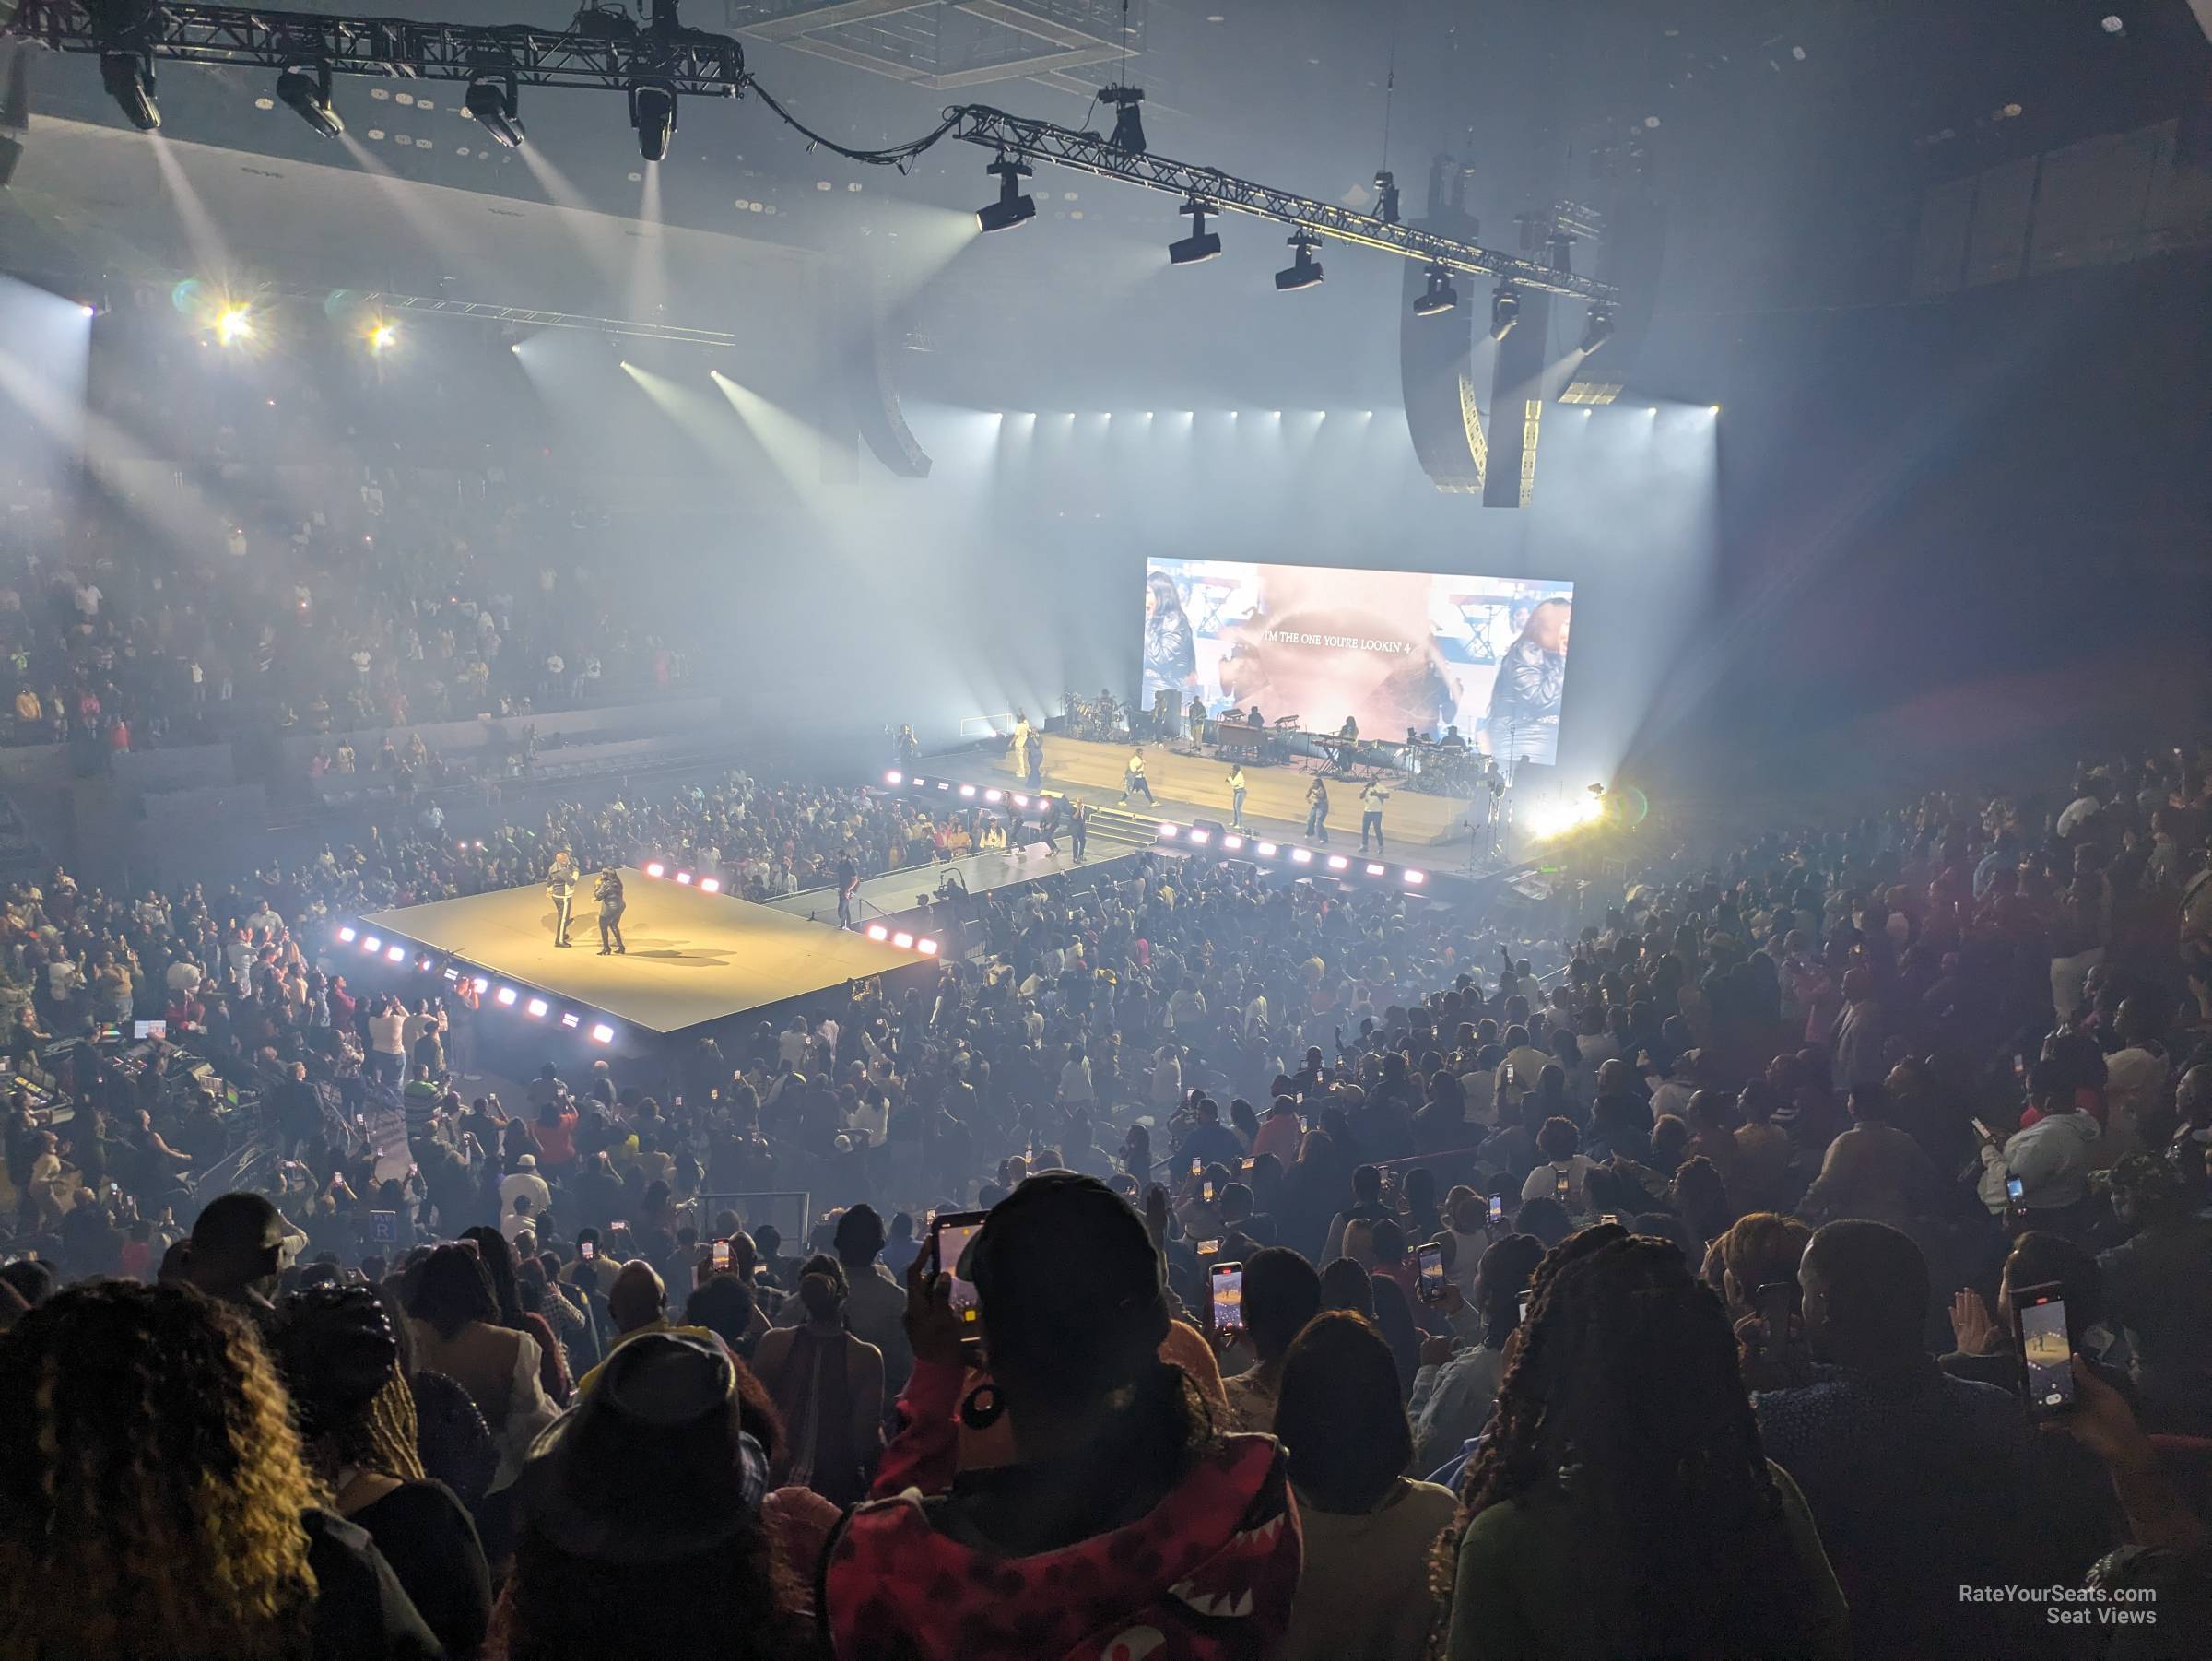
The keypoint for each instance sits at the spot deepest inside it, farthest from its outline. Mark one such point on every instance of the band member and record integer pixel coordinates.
(1078, 826)
(1317, 810)
(607, 891)
(1033, 771)
(1349, 731)
(1370, 813)
(848, 885)
(1197, 719)
(1251, 717)
(1133, 782)
(560, 882)
(1236, 795)
(1048, 822)
(905, 747)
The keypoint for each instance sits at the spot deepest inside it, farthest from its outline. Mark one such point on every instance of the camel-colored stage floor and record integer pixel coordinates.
(1189, 787)
(692, 957)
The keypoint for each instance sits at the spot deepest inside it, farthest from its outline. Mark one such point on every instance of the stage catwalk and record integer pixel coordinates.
(692, 957)
(901, 891)
(1275, 803)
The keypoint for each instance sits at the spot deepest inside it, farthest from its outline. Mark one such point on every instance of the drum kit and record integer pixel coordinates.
(1103, 719)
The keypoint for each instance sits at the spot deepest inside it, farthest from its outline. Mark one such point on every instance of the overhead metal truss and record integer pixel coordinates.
(529, 317)
(691, 61)
(1089, 153)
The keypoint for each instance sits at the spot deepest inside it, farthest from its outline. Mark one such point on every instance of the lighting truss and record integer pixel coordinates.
(1090, 153)
(692, 61)
(704, 64)
(529, 318)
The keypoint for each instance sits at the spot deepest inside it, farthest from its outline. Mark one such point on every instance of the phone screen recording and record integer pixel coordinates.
(718, 1256)
(587, 1250)
(1210, 1248)
(1228, 1297)
(1432, 1272)
(1497, 1207)
(953, 1233)
(2014, 1190)
(1560, 1184)
(2044, 1346)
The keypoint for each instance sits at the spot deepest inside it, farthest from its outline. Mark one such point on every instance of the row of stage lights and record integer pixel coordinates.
(493, 101)
(538, 1008)
(903, 939)
(1192, 836)
(1015, 207)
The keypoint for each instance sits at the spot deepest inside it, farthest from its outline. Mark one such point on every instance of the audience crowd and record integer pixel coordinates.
(387, 598)
(1325, 1272)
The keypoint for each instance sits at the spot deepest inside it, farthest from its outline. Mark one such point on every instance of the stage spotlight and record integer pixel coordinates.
(1233, 843)
(235, 323)
(396, 954)
(903, 941)
(656, 869)
(506, 997)
(494, 101)
(538, 1006)
(383, 337)
(1128, 126)
(1012, 207)
(348, 934)
(1301, 856)
(1417, 878)
(1338, 862)
(709, 885)
(1373, 869)
(652, 112)
(1265, 850)
(926, 946)
(1598, 330)
(129, 79)
(569, 1019)
(371, 944)
(1304, 271)
(894, 778)
(308, 92)
(877, 932)
(602, 1033)
(1201, 244)
(1442, 296)
(1505, 310)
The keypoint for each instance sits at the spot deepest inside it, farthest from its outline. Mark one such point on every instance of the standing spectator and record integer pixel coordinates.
(150, 1454)
(827, 1387)
(1622, 1503)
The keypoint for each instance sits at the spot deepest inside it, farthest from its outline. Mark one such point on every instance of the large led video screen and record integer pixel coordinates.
(1391, 650)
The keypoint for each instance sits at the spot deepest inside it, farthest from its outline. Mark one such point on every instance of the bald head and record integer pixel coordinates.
(637, 1298)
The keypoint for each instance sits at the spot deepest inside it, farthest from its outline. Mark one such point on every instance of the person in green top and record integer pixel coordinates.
(1620, 1504)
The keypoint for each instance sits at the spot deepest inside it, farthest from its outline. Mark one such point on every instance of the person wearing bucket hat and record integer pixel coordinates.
(1124, 1517)
(652, 1486)
(339, 1356)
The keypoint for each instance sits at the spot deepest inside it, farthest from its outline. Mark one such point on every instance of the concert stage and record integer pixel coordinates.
(692, 957)
(1275, 800)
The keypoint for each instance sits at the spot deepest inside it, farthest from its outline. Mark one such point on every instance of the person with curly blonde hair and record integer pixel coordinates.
(154, 1502)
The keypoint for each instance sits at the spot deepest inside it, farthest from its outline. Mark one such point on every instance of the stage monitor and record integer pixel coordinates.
(1391, 649)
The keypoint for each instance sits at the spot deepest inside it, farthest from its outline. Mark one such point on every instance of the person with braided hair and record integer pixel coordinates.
(339, 1354)
(1125, 1519)
(155, 1503)
(1620, 1504)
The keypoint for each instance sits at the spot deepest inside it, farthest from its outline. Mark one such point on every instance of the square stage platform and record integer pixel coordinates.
(692, 957)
